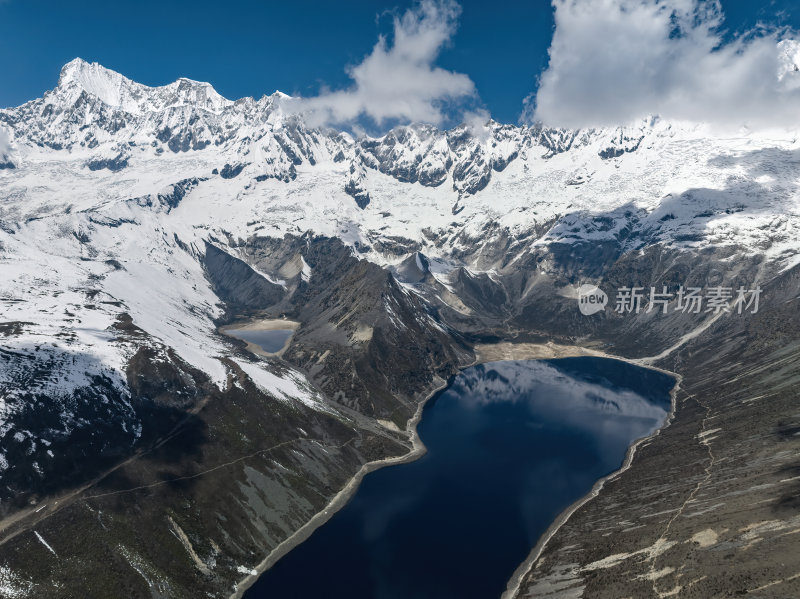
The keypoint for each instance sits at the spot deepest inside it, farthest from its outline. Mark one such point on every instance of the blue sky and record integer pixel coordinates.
(252, 48)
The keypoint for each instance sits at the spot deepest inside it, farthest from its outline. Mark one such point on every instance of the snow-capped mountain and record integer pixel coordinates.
(104, 139)
(115, 187)
(133, 217)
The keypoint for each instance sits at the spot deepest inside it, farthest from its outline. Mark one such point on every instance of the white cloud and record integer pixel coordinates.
(616, 61)
(398, 80)
(5, 143)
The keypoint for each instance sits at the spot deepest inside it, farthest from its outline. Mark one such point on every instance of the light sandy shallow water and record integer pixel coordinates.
(271, 324)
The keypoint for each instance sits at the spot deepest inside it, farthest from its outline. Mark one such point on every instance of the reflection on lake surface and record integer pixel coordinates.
(271, 341)
(510, 445)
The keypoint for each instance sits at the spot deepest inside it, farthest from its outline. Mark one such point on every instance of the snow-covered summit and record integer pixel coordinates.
(118, 91)
(111, 193)
(100, 139)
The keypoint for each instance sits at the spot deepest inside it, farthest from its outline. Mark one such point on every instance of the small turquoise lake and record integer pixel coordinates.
(270, 341)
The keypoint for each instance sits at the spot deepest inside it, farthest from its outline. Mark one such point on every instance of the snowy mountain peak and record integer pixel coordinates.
(82, 72)
(108, 86)
(112, 192)
(117, 91)
(183, 144)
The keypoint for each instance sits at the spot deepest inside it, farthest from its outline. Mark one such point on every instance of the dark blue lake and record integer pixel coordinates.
(271, 341)
(510, 445)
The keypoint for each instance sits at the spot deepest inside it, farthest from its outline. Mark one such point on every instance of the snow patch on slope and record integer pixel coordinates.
(291, 387)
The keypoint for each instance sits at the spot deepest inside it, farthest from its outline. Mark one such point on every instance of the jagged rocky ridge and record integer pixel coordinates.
(137, 220)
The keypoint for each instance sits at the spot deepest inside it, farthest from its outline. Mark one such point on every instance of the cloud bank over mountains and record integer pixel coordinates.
(398, 80)
(616, 61)
(611, 62)
(5, 144)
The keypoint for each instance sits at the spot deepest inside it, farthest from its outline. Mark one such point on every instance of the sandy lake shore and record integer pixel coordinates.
(264, 324)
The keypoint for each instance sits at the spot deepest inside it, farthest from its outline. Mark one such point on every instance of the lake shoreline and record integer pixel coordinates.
(339, 500)
(265, 324)
(484, 354)
(537, 352)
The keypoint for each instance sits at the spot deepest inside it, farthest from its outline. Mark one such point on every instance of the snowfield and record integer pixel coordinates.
(111, 189)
